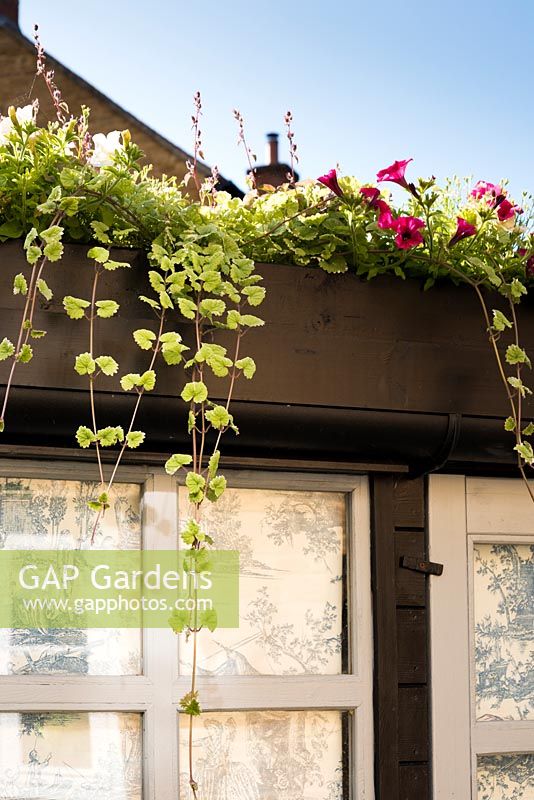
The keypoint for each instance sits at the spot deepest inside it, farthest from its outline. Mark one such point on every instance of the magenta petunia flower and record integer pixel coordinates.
(464, 229)
(408, 232)
(483, 188)
(395, 174)
(330, 181)
(385, 217)
(371, 194)
(507, 210)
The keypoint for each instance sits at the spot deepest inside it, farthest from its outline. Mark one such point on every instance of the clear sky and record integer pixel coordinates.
(368, 81)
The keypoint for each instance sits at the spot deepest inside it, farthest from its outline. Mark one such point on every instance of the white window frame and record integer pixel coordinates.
(157, 692)
(462, 513)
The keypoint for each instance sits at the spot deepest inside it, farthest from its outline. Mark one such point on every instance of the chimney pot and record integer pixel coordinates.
(272, 146)
(10, 10)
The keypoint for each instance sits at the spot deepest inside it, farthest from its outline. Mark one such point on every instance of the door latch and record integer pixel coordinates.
(420, 565)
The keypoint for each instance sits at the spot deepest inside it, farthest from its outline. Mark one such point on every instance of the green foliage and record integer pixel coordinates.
(212, 308)
(75, 306)
(179, 620)
(85, 364)
(213, 464)
(247, 365)
(525, 451)
(146, 381)
(518, 384)
(516, 355)
(216, 487)
(144, 338)
(101, 504)
(20, 284)
(135, 438)
(218, 416)
(500, 322)
(189, 704)
(214, 355)
(111, 435)
(7, 349)
(195, 484)
(85, 436)
(53, 249)
(107, 364)
(208, 619)
(195, 392)
(176, 461)
(44, 289)
(106, 308)
(191, 532)
(25, 354)
(187, 307)
(99, 254)
(255, 295)
(172, 347)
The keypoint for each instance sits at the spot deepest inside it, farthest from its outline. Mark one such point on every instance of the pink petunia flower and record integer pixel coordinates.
(408, 232)
(385, 217)
(483, 188)
(464, 229)
(330, 181)
(507, 210)
(395, 174)
(371, 194)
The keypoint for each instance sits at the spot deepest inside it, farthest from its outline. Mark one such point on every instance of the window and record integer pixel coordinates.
(287, 697)
(482, 638)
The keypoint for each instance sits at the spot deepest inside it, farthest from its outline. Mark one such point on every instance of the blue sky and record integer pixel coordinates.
(447, 83)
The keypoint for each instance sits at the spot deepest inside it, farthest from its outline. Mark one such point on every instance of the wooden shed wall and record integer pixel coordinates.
(401, 702)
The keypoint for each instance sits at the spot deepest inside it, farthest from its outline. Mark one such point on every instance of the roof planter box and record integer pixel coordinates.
(371, 372)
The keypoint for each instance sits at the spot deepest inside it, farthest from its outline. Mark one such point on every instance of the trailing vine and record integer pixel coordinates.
(58, 184)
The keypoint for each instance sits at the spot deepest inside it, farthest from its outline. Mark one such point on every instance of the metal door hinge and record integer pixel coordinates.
(420, 565)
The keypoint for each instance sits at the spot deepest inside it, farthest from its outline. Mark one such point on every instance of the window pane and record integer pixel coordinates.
(504, 631)
(279, 755)
(506, 777)
(71, 756)
(53, 514)
(292, 585)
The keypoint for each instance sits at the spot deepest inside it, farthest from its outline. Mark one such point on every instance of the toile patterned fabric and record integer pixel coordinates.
(292, 550)
(266, 755)
(53, 514)
(505, 777)
(503, 588)
(71, 756)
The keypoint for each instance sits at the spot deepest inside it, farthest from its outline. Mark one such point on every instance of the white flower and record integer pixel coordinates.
(104, 148)
(23, 116)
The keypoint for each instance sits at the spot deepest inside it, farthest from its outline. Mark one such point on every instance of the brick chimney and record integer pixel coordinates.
(9, 9)
(274, 172)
